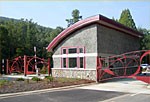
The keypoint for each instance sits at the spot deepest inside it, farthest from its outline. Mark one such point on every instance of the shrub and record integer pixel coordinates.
(43, 70)
(50, 78)
(20, 79)
(3, 82)
(36, 79)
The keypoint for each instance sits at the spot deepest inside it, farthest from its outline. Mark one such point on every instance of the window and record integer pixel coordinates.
(72, 50)
(72, 62)
(64, 51)
(81, 62)
(64, 63)
(72, 58)
(80, 50)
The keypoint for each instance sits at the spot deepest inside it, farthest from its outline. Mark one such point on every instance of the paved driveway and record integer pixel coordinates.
(113, 91)
(71, 95)
(130, 98)
(122, 85)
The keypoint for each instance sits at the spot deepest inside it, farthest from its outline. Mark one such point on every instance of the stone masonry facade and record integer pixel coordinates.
(97, 40)
(75, 73)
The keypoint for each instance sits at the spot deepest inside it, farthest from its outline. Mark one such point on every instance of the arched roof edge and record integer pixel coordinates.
(90, 20)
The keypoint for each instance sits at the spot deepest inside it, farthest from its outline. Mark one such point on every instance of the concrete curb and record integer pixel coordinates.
(42, 91)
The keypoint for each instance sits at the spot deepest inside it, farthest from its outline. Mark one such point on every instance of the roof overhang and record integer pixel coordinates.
(91, 20)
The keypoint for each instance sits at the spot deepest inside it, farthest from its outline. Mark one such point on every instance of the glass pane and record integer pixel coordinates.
(81, 50)
(72, 62)
(81, 62)
(64, 62)
(64, 51)
(73, 50)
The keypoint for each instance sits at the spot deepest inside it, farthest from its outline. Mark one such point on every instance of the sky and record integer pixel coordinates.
(53, 13)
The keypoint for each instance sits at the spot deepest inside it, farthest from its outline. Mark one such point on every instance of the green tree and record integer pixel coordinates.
(31, 39)
(126, 19)
(21, 38)
(75, 17)
(54, 33)
(145, 41)
(12, 35)
(114, 19)
(3, 43)
(24, 34)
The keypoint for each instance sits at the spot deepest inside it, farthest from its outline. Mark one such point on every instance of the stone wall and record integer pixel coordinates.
(111, 41)
(74, 73)
(97, 41)
(85, 37)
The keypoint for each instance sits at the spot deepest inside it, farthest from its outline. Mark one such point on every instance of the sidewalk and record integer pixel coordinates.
(121, 85)
(25, 77)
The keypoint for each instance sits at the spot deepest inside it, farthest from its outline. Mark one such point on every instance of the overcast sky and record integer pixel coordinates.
(53, 14)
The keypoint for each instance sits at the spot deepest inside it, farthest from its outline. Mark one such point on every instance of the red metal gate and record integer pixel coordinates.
(26, 64)
(127, 65)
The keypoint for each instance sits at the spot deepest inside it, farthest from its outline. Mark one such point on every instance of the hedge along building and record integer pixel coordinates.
(75, 50)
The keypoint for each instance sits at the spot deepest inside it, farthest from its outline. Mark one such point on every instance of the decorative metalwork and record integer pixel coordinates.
(127, 65)
(15, 65)
(26, 64)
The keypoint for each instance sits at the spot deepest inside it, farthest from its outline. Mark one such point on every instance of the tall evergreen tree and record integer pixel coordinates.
(145, 41)
(75, 17)
(114, 19)
(126, 19)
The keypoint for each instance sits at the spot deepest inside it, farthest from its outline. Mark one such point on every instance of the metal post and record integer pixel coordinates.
(37, 71)
(25, 65)
(7, 67)
(3, 66)
(49, 67)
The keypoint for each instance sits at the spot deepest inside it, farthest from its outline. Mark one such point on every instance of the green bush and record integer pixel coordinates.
(20, 79)
(36, 79)
(3, 82)
(43, 70)
(50, 78)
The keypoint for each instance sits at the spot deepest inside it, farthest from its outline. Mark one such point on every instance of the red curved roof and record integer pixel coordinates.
(94, 19)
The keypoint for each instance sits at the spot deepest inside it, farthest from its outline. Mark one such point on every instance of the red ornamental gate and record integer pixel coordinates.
(127, 65)
(26, 65)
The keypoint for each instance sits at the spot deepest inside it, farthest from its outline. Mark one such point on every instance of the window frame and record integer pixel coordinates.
(71, 52)
(69, 55)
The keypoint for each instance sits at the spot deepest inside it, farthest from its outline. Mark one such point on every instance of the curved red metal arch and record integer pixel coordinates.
(70, 29)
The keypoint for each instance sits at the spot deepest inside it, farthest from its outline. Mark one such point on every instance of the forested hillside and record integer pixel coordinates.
(18, 38)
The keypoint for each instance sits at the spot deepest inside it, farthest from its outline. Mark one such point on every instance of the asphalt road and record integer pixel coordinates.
(130, 98)
(78, 95)
(71, 95)
(115, 91)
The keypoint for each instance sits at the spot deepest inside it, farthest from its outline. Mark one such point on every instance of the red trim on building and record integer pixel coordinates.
(91, 20)
(70, 29)
(61, 60)
(84, 58)
(119, 25)
(78, 57)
